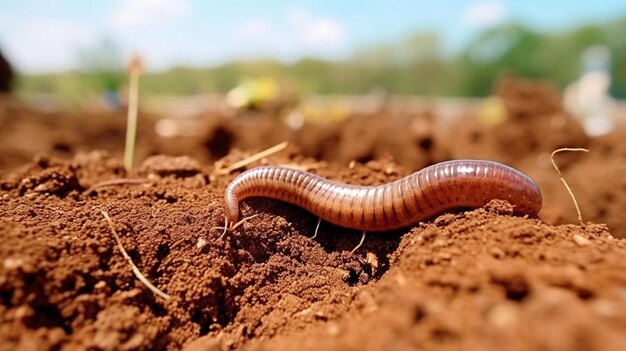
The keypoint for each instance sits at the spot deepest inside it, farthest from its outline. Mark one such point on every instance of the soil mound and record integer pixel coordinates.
(478, 279)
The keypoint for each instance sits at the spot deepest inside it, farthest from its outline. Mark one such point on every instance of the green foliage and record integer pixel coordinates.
(415, 65)
(103, 64)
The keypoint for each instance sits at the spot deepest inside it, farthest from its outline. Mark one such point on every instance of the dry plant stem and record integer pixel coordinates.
(131, 126)
(360, 243)
(569, 190)
(234, 226)
(111, 182)
(272, 150)
(317, 227)
(138, 274)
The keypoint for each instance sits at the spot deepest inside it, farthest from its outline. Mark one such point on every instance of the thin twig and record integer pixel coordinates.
(569, 190)
(118, 181)
(360, 243)
(274, 149)
(138, 274)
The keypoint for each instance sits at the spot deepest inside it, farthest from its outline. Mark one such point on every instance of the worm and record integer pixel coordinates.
(402, 203)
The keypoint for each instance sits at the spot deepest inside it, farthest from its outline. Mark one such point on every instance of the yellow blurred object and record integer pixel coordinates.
(492, 111)
(338, 112)
(253, 93)
(265, 89)
(323, 113)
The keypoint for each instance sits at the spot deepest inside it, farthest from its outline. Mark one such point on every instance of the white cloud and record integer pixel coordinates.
(146, 13)
(254, 28)
(46, 45)
(485, 13)
(293, 34)
(317, 30)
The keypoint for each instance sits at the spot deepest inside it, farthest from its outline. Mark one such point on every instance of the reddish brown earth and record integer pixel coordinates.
(478, 280)
(481, 279)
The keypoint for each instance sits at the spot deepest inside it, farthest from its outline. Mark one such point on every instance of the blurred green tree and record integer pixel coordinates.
(103, 65)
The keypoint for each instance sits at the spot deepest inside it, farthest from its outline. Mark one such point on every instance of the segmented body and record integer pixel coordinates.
(404, 202)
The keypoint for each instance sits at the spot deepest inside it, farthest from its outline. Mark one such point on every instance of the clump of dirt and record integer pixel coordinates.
(411, 139)
(597, 181)
(162, 165)
(481, 279)
(26, 133)
(488, 281)
(63, 281)
(535, 125)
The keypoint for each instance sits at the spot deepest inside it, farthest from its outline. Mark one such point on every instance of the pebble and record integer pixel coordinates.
(333, 329)
(502, 315)
(496, 252)
(201, 243)
(581, 240)
(13, 263)
(604, 308)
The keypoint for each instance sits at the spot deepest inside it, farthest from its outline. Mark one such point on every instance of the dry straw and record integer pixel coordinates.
(134, 71)
(272, 150)
(569, 190)
(136, 271)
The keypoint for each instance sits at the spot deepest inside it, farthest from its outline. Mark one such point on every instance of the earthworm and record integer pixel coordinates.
(402, 203)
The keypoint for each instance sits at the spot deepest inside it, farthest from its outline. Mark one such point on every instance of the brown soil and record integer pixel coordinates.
(480, 279)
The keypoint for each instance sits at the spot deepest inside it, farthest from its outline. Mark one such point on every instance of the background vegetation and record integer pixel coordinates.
(415, 65)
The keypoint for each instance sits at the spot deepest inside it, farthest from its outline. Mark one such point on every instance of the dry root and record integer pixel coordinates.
(136, 271)
(569, 190)
(230, 228)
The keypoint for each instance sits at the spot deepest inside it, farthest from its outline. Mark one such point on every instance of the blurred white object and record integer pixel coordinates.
(588, 98)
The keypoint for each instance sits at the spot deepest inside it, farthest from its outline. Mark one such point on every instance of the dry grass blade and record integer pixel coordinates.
(133, 103)
(138, 274)
(360, 243)
(274, 149)
(569, 190)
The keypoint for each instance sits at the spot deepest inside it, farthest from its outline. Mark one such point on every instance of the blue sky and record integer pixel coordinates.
(46, 35)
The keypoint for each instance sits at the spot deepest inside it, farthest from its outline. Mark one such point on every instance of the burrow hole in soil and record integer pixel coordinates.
(426, 144)
(220, 142)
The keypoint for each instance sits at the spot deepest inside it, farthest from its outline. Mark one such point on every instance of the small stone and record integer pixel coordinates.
(581, 240)
(304, 312)
(496, 252)
(604, 308)
(135, 342)
(502, 315)
(23, 312)
(333, 329)
(400, 279)
(13, 263)
(372, 259)
(201, 243)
